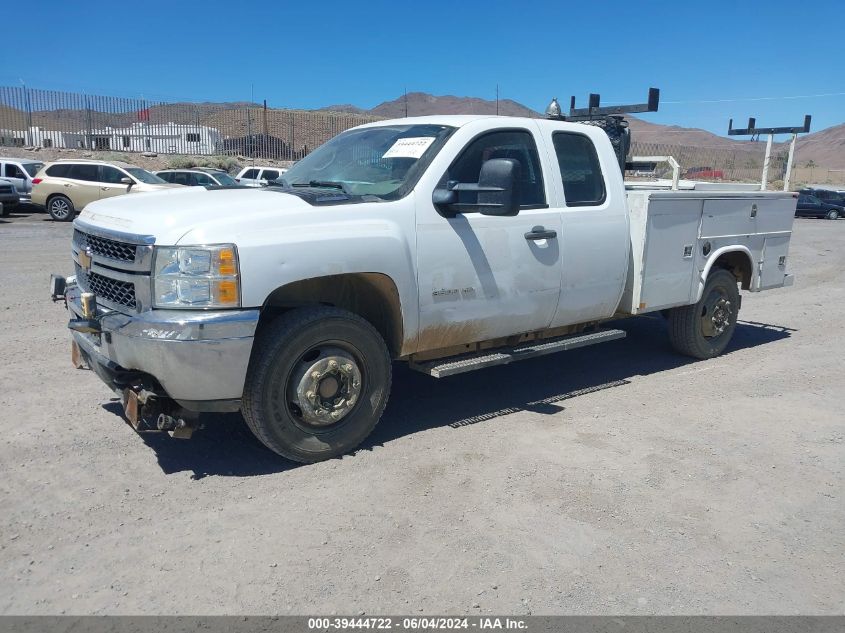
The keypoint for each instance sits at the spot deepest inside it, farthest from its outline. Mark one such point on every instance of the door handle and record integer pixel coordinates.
(539, 233)
(105, 188)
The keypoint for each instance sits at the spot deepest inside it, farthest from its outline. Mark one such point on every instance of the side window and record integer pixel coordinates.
(12, 171)
(181, 178)
(201, 180)
(250, 173)
(83, 172)
(192, 137)
(269, 174)
(516, 144)
(166, 176)
(111, 175)
(58, 171)
(583, 183)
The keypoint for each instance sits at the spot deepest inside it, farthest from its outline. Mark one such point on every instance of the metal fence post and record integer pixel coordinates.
(788, 174)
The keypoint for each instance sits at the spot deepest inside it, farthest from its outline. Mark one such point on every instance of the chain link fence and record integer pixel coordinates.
(66, 120)
(77, 121)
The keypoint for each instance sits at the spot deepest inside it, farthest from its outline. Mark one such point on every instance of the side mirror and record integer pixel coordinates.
(496, 190)
(126, 181)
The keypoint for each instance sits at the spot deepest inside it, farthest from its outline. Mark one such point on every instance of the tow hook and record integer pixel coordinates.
(178, 427)
(147, 412)
(89, 324)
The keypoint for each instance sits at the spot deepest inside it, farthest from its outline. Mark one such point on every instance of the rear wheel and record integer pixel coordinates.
(60, 208)
(833, 214)
(704, 329)
(317, 384)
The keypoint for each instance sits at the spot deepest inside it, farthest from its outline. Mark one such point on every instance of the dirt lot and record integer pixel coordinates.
(615, 479)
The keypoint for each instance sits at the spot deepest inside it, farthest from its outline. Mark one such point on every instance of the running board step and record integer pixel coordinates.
(443, 367)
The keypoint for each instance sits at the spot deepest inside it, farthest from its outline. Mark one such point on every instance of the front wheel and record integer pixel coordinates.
(704, 329)
(833, 214)
(317, 383)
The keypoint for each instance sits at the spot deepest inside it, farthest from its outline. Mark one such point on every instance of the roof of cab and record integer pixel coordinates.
(453, 120)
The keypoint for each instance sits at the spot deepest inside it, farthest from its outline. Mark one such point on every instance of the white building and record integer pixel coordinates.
(161, 138)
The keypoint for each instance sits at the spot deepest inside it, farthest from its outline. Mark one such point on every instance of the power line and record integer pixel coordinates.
(736, 99)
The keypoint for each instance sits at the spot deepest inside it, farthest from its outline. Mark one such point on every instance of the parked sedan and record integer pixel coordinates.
(812, 207)
(198, 177)
(830, 196)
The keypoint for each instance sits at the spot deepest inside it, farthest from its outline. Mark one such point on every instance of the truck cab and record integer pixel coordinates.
(450, 242)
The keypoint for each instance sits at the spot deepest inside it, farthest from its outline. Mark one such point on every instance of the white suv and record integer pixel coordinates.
(258, 176)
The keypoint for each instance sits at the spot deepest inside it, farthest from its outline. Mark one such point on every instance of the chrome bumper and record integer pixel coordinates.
(199, 358)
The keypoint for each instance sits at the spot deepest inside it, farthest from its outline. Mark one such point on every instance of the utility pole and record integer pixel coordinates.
(754, 132)
(406, 102)
(497, 99)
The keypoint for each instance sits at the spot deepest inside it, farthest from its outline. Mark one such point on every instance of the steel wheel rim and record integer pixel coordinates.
(716, 314)
(324, 386)
(60, 208)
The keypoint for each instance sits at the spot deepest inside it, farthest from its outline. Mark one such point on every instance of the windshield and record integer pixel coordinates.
(144, 176)
(224, 179)
(32, 168)
(380, 161)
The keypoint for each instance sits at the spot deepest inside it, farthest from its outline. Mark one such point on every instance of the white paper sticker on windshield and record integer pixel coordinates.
(412, 147)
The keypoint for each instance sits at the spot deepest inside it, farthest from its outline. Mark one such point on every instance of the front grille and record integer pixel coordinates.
(113, 290)
(104, 247)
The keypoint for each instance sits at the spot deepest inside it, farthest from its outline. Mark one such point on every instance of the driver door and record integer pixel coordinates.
(482, 277)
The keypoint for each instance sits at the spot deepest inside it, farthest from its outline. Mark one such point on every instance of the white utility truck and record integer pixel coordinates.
(450, 242)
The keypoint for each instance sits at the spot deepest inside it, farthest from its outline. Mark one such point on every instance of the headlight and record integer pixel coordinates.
(196, 277)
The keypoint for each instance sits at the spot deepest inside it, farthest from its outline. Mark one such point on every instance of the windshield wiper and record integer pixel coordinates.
(328, 184)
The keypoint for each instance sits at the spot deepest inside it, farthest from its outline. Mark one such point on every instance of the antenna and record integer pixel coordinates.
(497, 99)
(406, 102)
(754, 132)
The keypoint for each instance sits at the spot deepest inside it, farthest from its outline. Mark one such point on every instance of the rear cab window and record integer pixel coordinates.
(580, 170)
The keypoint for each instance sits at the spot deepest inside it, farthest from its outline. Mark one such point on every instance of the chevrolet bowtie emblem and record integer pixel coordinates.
(85, 258)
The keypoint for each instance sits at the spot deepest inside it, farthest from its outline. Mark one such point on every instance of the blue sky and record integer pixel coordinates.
(712, 60)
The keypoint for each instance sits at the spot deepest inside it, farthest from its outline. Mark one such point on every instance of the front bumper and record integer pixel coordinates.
(199, 358)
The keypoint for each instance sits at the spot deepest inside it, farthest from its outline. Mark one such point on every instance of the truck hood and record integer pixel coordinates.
(206, 213)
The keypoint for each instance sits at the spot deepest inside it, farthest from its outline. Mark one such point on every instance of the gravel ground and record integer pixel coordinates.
(615, 479)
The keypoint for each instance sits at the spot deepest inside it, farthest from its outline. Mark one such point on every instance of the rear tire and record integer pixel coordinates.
(317, 383)
(704, 329)
(833, 214)
(60, 208)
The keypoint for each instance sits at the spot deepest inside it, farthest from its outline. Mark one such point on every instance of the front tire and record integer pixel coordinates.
(833, 214)
(317, 383)
(61, 209)
(704, 329)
